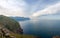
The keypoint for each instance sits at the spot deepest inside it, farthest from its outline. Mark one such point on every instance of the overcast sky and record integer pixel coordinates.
(29, 8)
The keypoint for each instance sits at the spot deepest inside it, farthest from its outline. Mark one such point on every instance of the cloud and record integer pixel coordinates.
(35, 5)
(25, 7)
(12, 7)
(51, 9)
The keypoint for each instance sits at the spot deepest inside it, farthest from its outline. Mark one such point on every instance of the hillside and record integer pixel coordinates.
(10, 24)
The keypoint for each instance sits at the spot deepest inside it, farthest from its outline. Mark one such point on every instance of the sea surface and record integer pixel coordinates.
(43, 28)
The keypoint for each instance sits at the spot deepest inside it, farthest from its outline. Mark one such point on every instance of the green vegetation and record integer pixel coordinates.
(22, 36)
(9, 23)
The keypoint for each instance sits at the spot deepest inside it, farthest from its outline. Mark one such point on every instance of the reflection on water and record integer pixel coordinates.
(43, 28)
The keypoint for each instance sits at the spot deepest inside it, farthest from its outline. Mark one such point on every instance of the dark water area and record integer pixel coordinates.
(42, 28)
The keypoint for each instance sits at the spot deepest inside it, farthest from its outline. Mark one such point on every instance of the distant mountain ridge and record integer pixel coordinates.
(21, 18)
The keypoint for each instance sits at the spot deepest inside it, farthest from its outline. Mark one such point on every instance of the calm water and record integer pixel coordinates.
(43, 28)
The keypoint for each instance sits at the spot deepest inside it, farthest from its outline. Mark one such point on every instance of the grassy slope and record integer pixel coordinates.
(21, 36)
(9, 23)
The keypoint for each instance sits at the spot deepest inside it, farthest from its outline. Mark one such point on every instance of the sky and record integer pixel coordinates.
(29, 8)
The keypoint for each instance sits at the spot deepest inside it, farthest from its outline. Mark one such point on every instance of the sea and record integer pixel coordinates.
(41, 27)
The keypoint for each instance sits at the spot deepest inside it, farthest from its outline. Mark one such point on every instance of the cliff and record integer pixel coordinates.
(10, 24)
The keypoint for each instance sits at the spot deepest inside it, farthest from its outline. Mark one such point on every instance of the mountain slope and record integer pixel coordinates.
(10, 24)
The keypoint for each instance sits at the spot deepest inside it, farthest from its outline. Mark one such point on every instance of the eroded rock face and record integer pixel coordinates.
(10, 24)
